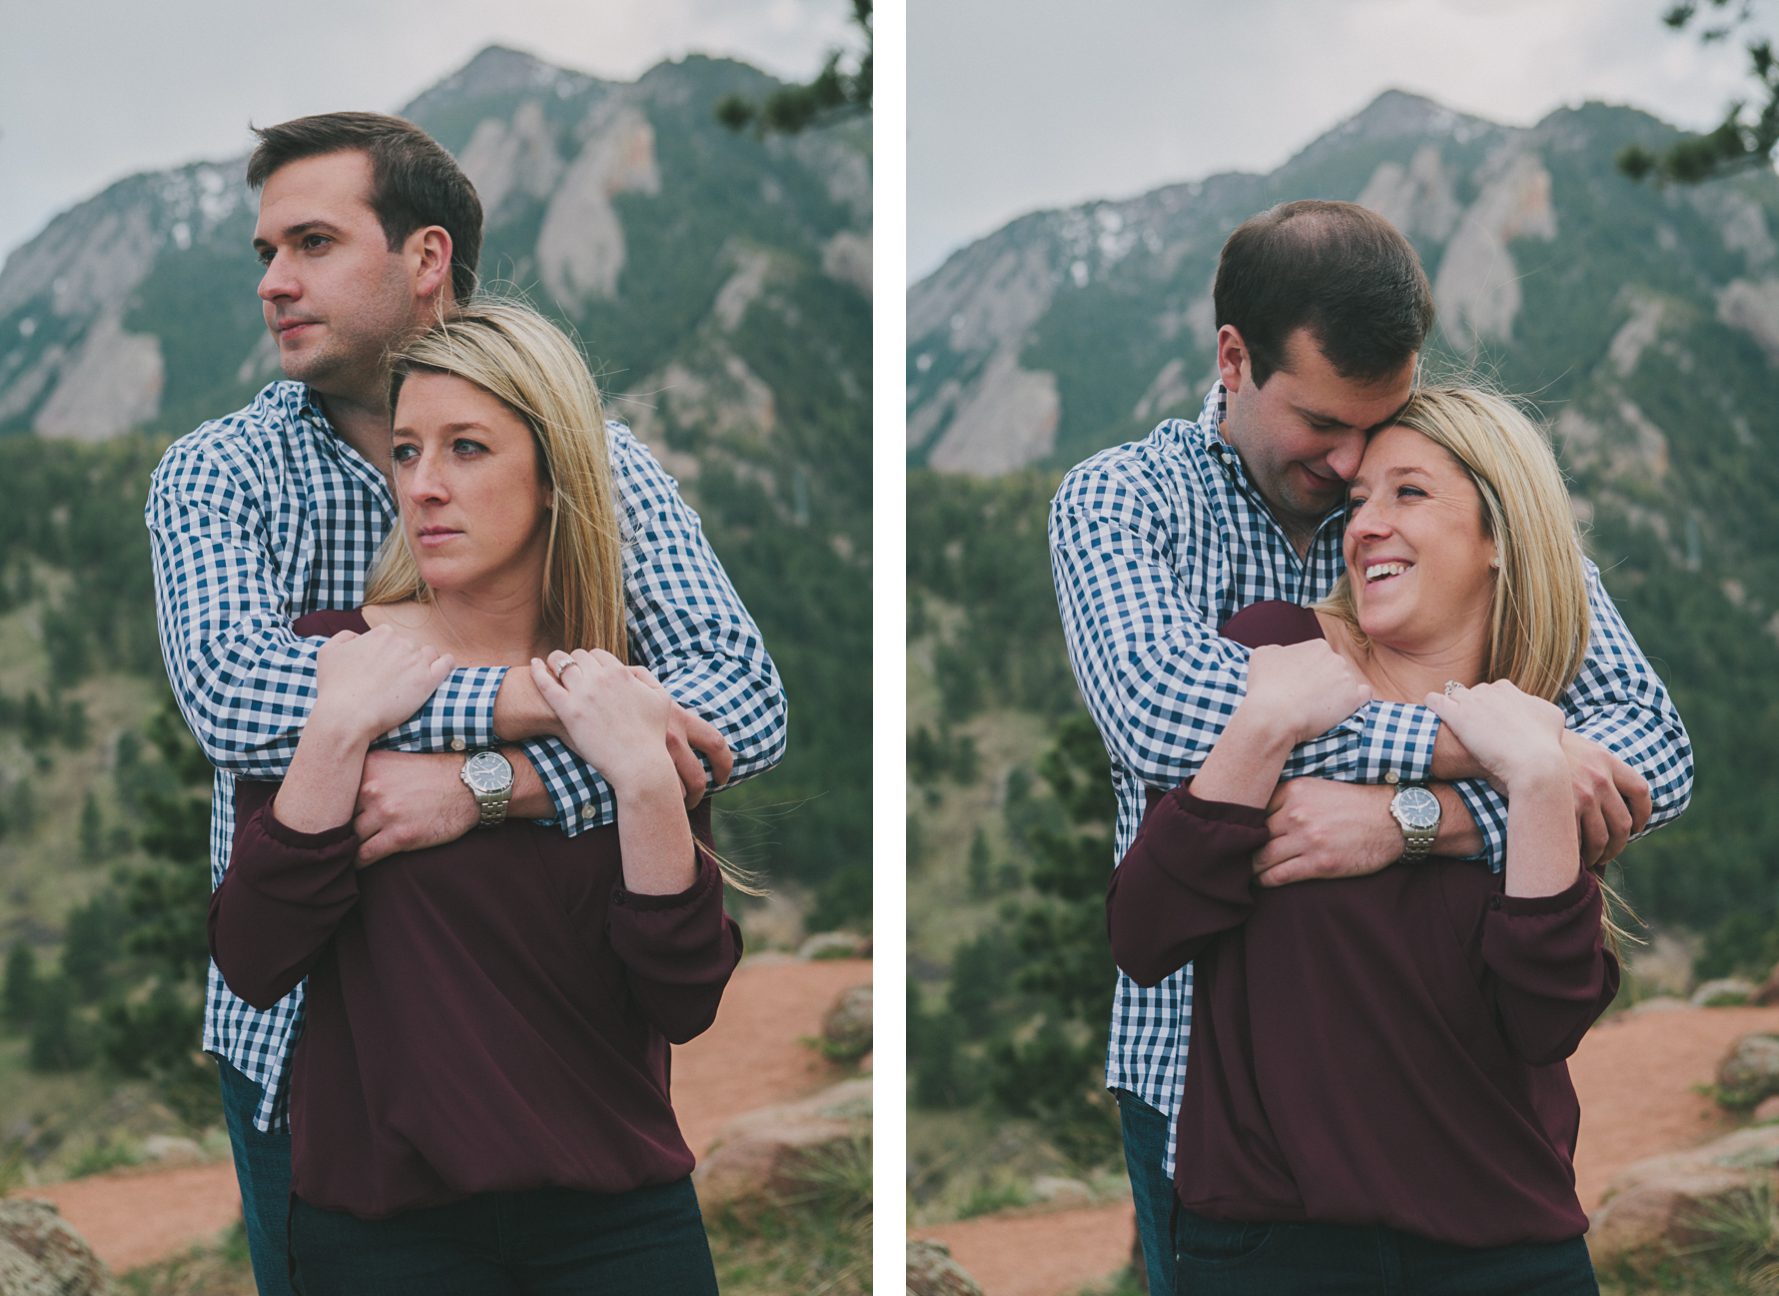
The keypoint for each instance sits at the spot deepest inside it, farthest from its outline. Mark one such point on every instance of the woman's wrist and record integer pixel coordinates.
(1535, 770)
(337, 733)
(1264, 733)
(646, 779)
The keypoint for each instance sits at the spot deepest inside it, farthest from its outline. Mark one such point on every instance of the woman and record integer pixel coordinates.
(1376, 1097)
(479, 1099)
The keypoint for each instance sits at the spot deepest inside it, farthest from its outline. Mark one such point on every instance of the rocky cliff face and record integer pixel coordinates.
(1644, 322)
(137, 306)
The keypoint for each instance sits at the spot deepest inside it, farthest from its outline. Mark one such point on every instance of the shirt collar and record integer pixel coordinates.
(1210, 422)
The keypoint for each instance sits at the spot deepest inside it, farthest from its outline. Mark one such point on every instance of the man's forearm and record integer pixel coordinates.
(521, 712)
(1458, 835)
(1452, 761)
(531, 799)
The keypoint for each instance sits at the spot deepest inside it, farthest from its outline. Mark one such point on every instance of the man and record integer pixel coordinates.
(368, 231)
(1321, 309)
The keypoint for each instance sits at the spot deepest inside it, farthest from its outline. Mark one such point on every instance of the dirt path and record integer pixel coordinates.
(752, 1057)
(1635, 1076)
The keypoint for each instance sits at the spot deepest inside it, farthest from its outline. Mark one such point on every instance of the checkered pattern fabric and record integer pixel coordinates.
(1157, 543)
(263, 516)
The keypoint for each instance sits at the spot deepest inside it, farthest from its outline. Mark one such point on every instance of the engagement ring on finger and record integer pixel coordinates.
(1452, 687)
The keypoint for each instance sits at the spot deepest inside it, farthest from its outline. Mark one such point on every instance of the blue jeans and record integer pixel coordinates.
(262, 1168)
(546, 1242)
(1244, 1259)
(1145, 1144)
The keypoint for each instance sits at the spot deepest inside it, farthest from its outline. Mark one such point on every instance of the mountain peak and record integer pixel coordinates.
(1399, 112)
(496, 70)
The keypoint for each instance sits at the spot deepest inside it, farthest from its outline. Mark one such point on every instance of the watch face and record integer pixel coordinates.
(1417, 807)
(487, 772)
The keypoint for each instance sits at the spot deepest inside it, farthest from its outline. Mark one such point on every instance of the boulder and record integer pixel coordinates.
(1055, 1190)
(846, 1030)
(932, 1272)
(42, 1255)
(764, 1158)
(835, 945)
(1750, 1072)
(1724, 992)
(1657, 1004)
(1659, 1208)
(170, 1150)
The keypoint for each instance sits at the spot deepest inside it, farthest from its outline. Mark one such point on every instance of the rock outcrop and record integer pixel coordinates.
(42, 1255)
(1750, 1072)
(932, 1272)
(1663, 1207)
(766, 1157)
(846, 1031)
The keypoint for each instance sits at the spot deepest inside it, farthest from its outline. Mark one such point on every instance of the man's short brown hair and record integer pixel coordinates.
(1341, 271)
(414, 181)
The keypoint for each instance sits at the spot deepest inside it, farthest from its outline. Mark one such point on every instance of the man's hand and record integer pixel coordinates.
(1323, 829)
(409, 801)
(1611, 799)
(687, 735)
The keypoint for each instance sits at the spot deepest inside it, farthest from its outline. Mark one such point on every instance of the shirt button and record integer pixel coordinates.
(457, 744)
(1390, 777)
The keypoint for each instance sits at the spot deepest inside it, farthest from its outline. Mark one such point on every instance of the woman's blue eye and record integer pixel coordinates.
(466, 446)
(403, 453)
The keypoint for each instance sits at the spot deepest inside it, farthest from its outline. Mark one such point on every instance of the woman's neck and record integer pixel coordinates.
(477, 629)
(1400, 673)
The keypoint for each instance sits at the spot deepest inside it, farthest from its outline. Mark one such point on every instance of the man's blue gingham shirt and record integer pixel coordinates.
(1156, 544)
(263, 516)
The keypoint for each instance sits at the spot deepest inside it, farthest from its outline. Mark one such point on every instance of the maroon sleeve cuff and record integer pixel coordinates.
(1552, 975)
(323, 841)
(1578, 892)
(703, 880)
(1242, 816)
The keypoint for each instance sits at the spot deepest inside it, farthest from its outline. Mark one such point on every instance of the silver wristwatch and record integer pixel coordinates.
(1416, 811)
(489, 777)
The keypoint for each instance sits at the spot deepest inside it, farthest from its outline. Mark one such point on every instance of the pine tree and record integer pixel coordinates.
(19, 997)
(1748, 136)
(836, 93)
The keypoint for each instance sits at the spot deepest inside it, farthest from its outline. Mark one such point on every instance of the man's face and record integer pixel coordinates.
(334, 296)
(1302, 434)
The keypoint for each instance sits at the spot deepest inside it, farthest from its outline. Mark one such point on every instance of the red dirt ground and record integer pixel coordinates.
(752, 1057)
(1635, 1075)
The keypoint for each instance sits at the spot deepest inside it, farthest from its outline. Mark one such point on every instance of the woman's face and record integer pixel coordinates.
(473, 503)
(1417, 555)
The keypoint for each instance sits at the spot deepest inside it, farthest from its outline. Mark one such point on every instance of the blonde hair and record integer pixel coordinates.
(520, 358)
(523, 360)
(1539, 622)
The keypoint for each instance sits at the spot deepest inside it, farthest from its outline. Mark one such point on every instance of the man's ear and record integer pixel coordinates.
(1232, 358)
(430, 248)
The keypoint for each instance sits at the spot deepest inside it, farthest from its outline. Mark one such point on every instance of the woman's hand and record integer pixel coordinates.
(1515, 737)
(367, 684)
(615, 716)
(1303, 690)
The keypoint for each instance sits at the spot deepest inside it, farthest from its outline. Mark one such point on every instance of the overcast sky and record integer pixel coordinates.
(96, 90)
(1017, 105)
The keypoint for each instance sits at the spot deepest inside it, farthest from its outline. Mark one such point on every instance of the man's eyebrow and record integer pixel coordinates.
(298, 230)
